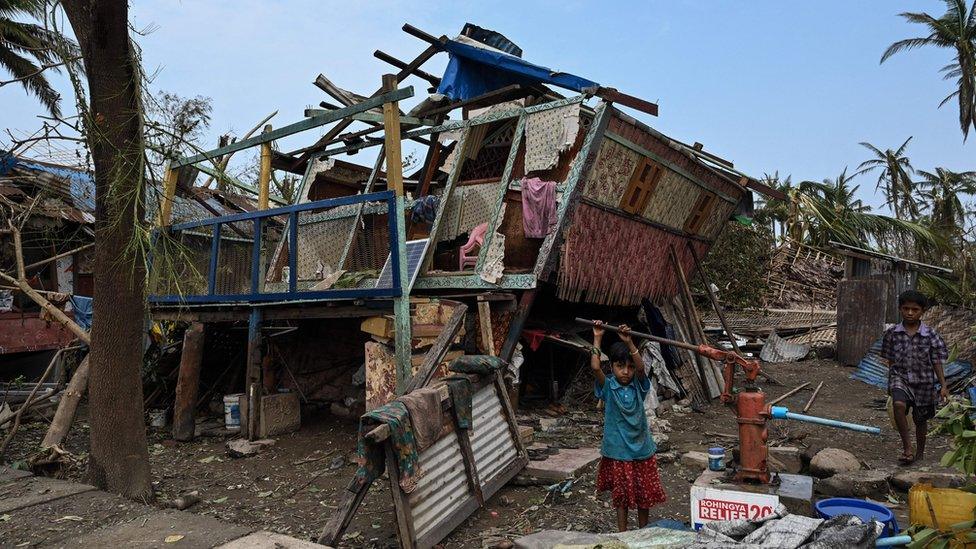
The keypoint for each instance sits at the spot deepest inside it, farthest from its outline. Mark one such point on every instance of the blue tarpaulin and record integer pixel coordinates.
(80, 185)
(474, 71)
(83, 311)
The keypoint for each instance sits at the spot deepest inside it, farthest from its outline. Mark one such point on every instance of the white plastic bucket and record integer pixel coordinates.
(232, 411)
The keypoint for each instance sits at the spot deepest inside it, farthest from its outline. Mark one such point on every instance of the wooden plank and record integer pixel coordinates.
(484, 319)
(341, 126)
(470, 467)
(861, 306)
(188, 383)
(264, 173)
(788, 394)
(385, 57)
(297, 127)
(813, 397)
(518, 322)
(401, 507)
(496, 214)
(349, 502)
(438, 349)
(693, 326)
(169, 192)
(509, 413)
(611, 94)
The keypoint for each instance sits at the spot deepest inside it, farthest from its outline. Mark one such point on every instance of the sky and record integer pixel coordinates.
(773, 86)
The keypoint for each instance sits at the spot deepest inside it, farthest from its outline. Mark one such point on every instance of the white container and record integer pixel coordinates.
(232, 411)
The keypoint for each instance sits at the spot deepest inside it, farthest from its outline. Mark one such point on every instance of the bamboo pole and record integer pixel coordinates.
(813, 397)
(169, 193)
(789, 393)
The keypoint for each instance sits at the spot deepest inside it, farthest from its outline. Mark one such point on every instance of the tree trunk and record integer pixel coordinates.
(119, 459)
(65, 413)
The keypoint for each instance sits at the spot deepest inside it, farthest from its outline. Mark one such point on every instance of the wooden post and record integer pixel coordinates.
(401, 507)
(65, 413)
(169, 192)
(484, 319)
(394, 181)
(254, 388)
(188, 384)
(264, 176)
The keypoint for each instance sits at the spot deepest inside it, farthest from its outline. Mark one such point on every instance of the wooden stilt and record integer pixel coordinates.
(188, 383)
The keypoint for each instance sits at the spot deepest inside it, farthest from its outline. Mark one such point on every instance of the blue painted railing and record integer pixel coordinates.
(292, 294)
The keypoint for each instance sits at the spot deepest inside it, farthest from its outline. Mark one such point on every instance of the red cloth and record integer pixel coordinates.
(534, 337)
(633, 484)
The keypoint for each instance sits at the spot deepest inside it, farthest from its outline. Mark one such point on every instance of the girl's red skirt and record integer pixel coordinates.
(633, 484)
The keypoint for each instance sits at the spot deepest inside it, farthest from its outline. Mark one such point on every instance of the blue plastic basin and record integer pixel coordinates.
(864, 510)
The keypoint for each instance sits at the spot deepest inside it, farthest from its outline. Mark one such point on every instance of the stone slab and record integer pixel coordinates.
(280, 414)
(264, 540)
(152, 530)
(35, 490)
(9, 475)
(64, 519)
(550, 538)
(794, 491)
(566, 464)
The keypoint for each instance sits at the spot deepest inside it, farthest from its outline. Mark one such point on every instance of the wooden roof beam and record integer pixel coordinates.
(385, 57)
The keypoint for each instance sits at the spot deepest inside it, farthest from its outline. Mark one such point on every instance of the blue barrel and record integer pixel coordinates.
(864, 510)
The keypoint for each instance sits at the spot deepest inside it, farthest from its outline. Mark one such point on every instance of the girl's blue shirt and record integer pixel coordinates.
(625, 433)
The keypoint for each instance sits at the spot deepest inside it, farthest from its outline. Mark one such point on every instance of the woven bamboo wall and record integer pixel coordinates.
(612, 260)
(607, 181)
(673, 200)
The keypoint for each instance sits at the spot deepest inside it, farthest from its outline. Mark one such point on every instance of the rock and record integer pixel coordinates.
(666, 457)
(186, 501)
(831, 461)
(663, 442)
(871, 483)
(240, 448)
(503, 544)
(695, 460)
(551, 424)
(788, 459)
(904, 480)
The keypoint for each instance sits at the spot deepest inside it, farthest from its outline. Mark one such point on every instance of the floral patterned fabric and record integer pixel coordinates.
(370, 457)
(548, 133)
(632, 484)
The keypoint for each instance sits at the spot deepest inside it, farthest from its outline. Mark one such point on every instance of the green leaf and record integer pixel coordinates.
(922, 538)
(949, 458)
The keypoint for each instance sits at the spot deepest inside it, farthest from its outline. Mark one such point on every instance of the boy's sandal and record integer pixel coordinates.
(907, 459)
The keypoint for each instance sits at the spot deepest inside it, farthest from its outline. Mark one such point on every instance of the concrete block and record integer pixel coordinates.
(904, 480)
(566, 464)
(695, 460)
(280, 413)
(786, 458)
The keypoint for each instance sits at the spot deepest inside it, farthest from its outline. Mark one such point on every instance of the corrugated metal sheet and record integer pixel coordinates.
(443, 486)
(871, 369)
(491, 440)
(436, 504)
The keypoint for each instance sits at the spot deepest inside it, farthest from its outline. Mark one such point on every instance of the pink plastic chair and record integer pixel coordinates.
(476, 239)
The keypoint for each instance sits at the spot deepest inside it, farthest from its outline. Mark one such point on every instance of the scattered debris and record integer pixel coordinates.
(241, 447)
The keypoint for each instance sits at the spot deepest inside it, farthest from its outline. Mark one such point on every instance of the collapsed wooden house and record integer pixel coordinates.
(526, 194)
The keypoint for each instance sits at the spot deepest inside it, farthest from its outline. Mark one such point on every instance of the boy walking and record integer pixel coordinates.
(915, 355)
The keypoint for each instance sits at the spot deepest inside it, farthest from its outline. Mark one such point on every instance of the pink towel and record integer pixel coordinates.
(538, 207)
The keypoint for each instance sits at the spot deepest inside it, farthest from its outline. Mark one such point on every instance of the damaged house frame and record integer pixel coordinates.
(521, 193)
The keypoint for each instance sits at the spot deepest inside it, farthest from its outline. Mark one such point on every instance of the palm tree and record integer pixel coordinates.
(893, 178)
(830, 211)
(772, 212)
(955, 30)
(942, 192)
(28, 50)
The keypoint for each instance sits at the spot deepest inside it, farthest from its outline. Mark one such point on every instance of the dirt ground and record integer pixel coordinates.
(293, 487)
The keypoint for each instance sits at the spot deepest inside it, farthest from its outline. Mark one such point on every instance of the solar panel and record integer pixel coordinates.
(416, 250)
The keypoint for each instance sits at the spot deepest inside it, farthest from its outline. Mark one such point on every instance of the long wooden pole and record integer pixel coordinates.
(394, 181)
(264, 175)
(813, 397)
(789, 393)
(65, 413)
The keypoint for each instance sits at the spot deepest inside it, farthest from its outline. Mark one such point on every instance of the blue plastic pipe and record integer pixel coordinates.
(892, 541)
(781, 412)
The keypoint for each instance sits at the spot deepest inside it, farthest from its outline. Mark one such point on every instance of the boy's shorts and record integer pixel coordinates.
(920, 414)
